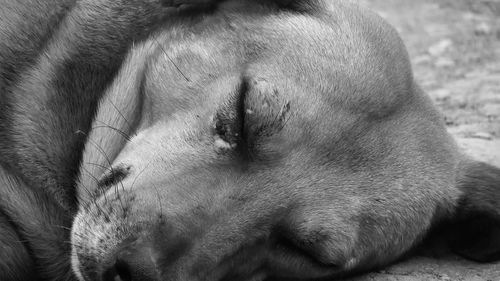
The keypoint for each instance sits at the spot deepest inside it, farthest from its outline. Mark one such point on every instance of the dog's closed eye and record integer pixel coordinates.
(254, 114)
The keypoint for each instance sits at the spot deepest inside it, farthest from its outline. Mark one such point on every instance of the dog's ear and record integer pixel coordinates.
(474, 232)
(115, 121)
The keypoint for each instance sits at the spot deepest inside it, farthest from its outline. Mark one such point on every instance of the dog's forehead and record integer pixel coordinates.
(331, 58)
(322, 75)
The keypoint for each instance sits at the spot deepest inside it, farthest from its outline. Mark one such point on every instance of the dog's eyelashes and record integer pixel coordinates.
(227, 131)
(229, 121)
(256, 111)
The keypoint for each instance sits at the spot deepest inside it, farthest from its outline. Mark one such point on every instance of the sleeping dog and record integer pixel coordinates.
(222, 140)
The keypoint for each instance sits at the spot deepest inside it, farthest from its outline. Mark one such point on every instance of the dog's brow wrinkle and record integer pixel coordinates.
(171, 60)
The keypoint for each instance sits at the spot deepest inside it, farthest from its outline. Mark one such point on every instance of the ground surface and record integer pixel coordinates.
(455, 49)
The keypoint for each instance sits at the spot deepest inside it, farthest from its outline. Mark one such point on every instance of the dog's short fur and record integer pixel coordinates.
(243, 140)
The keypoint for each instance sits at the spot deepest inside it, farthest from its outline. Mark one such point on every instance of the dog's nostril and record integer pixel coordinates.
(119, 272)
(132, 262)
(123, 271)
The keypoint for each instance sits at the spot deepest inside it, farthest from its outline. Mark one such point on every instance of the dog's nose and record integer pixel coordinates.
(134, 262)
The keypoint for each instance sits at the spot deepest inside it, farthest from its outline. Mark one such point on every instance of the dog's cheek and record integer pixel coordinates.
(326, 235)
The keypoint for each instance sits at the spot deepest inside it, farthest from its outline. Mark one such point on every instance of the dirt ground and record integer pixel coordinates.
(455, 49)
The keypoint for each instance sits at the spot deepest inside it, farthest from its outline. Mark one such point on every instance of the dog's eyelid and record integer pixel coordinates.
(230, 120)
(266, 110)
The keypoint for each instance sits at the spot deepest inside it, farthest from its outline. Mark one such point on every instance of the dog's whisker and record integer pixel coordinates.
(121, 114)
(93, 194)
(171, 60)
(122, 133)
(108, 160)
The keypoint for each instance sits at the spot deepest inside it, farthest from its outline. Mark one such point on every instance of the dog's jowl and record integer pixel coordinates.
(222, 140)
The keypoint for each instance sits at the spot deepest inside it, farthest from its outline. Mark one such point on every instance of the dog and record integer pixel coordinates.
(234, 140)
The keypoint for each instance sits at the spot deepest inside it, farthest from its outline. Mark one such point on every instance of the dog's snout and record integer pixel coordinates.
(133, 262)
(119, 271)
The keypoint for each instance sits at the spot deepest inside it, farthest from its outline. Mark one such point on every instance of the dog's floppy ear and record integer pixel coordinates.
(475, 229)
(117, 115)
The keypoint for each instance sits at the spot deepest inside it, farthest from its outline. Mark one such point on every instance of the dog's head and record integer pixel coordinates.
(250, 145)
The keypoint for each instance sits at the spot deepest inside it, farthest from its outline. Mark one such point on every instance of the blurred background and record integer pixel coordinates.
(454, 46)
(455, 50)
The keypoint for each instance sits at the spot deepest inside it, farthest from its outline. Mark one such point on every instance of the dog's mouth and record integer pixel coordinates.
(143, 262)
(131, 245)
